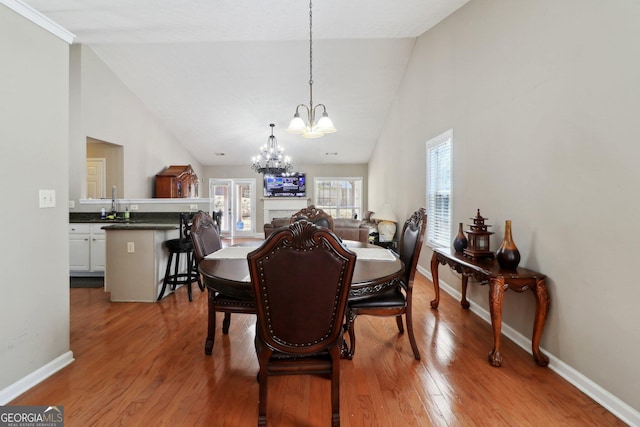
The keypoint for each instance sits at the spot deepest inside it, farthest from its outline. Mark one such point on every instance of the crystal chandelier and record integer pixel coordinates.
(270, 160)
(311, 129)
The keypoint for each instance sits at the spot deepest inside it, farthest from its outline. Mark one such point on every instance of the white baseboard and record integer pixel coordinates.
(614, 405)
(16, 389)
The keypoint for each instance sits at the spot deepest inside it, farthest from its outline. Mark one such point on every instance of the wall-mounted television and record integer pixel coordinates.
(285, 185)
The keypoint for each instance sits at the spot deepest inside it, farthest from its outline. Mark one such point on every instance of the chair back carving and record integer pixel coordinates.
(411, 242)
(314, 215)
(204, 235)
(301, 277)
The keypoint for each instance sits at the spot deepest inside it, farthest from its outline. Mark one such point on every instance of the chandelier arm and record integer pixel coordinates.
(324, 109)
(310, 113)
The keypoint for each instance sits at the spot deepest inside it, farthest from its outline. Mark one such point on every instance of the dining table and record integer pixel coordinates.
(225, 273)
(376, 270)
(227, 270)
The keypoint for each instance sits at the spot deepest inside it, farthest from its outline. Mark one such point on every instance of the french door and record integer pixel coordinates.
(236, 198)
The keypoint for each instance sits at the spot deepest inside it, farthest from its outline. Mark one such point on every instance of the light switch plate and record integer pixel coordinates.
(47, 198)
(131, 247)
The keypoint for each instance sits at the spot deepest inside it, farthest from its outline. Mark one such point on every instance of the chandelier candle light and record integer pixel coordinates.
(311, 129)
(270, 160)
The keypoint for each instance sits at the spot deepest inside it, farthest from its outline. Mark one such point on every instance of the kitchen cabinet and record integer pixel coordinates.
(86, 248)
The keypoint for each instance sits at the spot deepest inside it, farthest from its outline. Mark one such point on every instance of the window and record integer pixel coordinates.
(439, 190)
(339, 197)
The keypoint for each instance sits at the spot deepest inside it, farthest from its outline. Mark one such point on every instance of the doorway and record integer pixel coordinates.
(96, 178)
(236, 198)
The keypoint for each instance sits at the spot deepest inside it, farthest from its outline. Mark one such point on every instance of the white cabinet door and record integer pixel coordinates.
(98, 253)
(98, 248)
(79, 247)
(86, 247)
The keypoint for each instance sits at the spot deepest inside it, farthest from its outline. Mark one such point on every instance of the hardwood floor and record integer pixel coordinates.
(144, 364)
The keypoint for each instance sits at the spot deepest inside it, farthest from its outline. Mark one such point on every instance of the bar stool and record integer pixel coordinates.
(182, 245)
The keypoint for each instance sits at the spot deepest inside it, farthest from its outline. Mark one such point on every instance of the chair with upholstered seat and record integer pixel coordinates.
(314, 215)
(205, 235)
(301, 277)
(177, 247)
(399, 300)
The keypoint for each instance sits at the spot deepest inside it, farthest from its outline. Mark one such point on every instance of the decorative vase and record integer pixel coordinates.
(460, 242)
(508, 255)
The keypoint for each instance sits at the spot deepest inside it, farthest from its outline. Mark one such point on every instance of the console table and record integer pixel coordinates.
(487, 271)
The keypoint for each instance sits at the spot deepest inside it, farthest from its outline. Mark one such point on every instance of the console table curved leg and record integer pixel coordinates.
(496, 296)
(542, 308)
(463, 302)
(436, 284)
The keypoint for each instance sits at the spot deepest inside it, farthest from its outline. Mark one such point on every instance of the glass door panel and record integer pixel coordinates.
(237, 200)
(221, 195)
(244, 211)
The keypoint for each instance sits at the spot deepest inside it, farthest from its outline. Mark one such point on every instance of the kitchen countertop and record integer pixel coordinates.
(139, 226)
(136, 218)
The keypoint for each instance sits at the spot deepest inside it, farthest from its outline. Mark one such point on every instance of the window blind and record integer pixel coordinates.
(439, 190)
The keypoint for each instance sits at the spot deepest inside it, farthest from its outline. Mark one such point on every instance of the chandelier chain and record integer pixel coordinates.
(310, 55)
(312, 128)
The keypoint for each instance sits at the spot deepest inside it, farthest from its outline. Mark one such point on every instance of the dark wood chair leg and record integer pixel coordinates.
(189, 274)
(226, 323)
(176, 271)
(335, 387)
(166, 277)
(412, 338)
(262, 397)
(351, 320)
(211, 325)
(399, 322)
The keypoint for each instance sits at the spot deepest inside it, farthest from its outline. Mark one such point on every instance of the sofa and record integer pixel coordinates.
(344, 228)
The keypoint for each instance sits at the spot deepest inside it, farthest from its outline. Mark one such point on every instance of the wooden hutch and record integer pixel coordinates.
(177, 182)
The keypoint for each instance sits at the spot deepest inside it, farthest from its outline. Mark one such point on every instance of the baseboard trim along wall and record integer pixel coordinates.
(613, 404)
(36, 377)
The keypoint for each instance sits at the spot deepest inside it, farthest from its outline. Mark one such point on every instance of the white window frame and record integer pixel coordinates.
(357, 204)
(439, 185)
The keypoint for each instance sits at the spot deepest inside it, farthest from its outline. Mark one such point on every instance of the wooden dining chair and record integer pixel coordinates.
(205, 235)
(314, 215)
(396, 301)
(301, 277)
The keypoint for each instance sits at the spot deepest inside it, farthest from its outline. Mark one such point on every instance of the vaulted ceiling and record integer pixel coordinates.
(217, 72)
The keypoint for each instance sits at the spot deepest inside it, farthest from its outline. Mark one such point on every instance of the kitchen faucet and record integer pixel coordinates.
(114, 201)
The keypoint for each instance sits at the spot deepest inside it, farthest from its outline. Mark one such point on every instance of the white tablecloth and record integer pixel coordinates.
(239, 252)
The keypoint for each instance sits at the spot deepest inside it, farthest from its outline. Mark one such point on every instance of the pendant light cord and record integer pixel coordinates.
(310, 56)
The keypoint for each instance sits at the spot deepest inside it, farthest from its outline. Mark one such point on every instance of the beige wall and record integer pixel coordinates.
(34, 289)
(102, 107)
(311, 171)
(543, 99)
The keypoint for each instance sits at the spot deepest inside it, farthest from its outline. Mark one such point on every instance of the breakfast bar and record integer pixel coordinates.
(136, 259)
